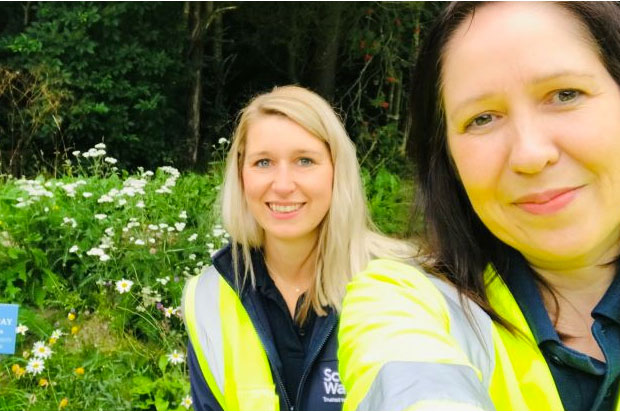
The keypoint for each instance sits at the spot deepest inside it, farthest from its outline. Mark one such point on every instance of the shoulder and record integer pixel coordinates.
(383, 279)
(394, 313)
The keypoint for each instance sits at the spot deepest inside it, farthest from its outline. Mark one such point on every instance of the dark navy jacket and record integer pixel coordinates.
(320, 387)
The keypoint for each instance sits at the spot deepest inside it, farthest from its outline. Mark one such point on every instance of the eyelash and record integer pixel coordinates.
(305, 161)
(471, 124)
(556, 93)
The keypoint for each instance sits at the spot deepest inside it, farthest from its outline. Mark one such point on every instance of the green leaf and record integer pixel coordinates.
(161, 404)
(142, 385)
(14, 253)
(163, 363)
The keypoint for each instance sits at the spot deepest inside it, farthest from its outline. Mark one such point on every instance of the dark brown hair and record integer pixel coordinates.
(458, 243)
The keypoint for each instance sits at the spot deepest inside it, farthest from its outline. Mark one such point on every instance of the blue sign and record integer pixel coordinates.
(8, 325)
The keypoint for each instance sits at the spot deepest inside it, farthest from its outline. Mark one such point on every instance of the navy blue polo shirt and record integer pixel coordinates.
(584, 383)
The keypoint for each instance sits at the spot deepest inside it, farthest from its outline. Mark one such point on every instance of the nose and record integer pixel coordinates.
(283, 180)
(533, 145)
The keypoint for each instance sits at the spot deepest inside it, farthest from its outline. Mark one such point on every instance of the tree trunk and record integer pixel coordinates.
(218, 55)
(196, 20)
(326, 49)
(413, 54)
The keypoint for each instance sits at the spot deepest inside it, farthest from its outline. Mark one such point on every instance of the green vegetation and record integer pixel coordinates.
(97, 258)
(160, 83)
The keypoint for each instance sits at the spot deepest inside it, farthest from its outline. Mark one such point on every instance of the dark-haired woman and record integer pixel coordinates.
(517, 141)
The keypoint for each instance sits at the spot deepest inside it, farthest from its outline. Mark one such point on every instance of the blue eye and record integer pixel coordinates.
(263, 163)
(304, 161)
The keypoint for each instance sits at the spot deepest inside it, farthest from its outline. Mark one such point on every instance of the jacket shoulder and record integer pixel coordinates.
(395, 314)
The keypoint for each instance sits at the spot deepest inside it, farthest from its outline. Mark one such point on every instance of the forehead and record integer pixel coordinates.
(520, 38)
(277, 131)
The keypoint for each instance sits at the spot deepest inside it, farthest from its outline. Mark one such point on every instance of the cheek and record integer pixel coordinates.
(478, 163)
(251, 186)
(328, 186)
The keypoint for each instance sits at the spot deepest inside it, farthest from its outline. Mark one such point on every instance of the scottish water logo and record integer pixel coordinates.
(8, 323)
(334, 389)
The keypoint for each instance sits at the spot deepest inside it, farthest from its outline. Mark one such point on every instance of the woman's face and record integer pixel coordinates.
(287, 178)
(533, 126)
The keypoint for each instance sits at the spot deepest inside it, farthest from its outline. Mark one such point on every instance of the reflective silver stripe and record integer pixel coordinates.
(399, 385)
(209, 322)
(476, 339)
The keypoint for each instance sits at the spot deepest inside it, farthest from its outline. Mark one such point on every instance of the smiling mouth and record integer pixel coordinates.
(548, 202)
(285, 208)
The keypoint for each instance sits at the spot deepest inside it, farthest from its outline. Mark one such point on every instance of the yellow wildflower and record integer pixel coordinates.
(63, 403)
(20, 372)
(52, 341)
(75, 330)
(71, 316)
(79, 371)
(43, 382)
(15, 368)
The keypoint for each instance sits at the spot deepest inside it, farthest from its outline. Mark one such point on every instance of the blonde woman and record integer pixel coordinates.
(262, 320)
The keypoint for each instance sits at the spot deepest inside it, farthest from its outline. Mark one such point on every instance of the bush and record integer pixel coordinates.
(97, 259)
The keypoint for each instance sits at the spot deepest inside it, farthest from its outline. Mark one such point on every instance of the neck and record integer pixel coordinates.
(581, 284)
(293, 261)
(573, 293)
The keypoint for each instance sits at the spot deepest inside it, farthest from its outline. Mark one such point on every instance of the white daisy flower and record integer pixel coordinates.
(176, 357)
(21, 329)
(41, 350)
(124, 285)
(35, 366)
(57, 334)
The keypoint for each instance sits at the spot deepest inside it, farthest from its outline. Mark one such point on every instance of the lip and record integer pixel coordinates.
(547, 202)
(285, 215)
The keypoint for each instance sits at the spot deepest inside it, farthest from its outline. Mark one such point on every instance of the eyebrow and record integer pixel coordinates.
(558, 75)
(296, 153)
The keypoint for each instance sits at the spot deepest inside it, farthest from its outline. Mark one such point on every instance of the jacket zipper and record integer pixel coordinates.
(302, 381)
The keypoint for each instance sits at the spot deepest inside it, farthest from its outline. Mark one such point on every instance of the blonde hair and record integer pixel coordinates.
(347, 237)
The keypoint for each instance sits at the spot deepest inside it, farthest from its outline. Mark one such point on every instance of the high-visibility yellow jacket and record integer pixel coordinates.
(407, 343)
(236, 353)
(227, 347)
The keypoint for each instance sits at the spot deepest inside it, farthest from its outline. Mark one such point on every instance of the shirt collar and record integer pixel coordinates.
(609, 306)
(522, 284)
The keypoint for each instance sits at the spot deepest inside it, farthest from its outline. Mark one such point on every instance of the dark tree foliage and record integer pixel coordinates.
(129, 74)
